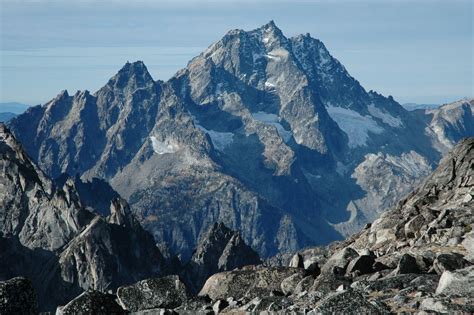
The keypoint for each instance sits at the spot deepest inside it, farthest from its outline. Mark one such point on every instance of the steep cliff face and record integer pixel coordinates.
(315, 125)
(110, 252)
(221, 249)
(267, 134)
(41, 215)
(450, 123)
(418, 256)
(439, 212)
(48, 236)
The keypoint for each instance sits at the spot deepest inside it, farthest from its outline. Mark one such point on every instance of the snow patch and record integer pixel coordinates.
(266, 117)
(269, 56)
(356, 126)
(269, 85)
(274, 120)
(163, 147)
(384, 116)
(220, 140)
(277, 54)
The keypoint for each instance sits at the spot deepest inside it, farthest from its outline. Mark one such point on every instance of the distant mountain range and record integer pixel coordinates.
(13, 107)
(415, 106)
(268, 134)
(10, 110)
(4, 117)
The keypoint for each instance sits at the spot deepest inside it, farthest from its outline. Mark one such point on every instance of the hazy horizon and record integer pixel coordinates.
(417, 51)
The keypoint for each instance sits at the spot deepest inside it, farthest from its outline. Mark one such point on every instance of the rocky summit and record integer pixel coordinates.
(266, 133)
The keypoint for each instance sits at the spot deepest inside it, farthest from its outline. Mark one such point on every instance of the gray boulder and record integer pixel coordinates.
(458, 282)
(296, 261)
(267, 304)
(413, 227)
(17, 296)
(250, 282)
(304, 285)
(166, 292)
(425, 283)
(333, 271)
(445, 305)
(289, 284)
(468, 244)
(347, 302)
(340, 259)
(397, 282)
(92, 302)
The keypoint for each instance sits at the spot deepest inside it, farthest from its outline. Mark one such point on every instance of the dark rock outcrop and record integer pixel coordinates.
(50, 237)
(449, 262)
(334, 270)
(221, 249)
(407, 264)
(361, 265)
(17, 296)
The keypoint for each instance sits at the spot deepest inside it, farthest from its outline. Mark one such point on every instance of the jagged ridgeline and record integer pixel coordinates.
(49, 236)
(268, 134)
(63, 247)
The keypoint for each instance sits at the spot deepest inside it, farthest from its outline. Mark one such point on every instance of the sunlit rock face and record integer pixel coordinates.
(268, 134)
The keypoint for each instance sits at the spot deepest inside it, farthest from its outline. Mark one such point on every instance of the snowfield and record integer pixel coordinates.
(385, 117)
(220, 140)
(356, 126)
(274, 120)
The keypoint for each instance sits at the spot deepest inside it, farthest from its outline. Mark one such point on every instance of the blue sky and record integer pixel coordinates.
(417, 51)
